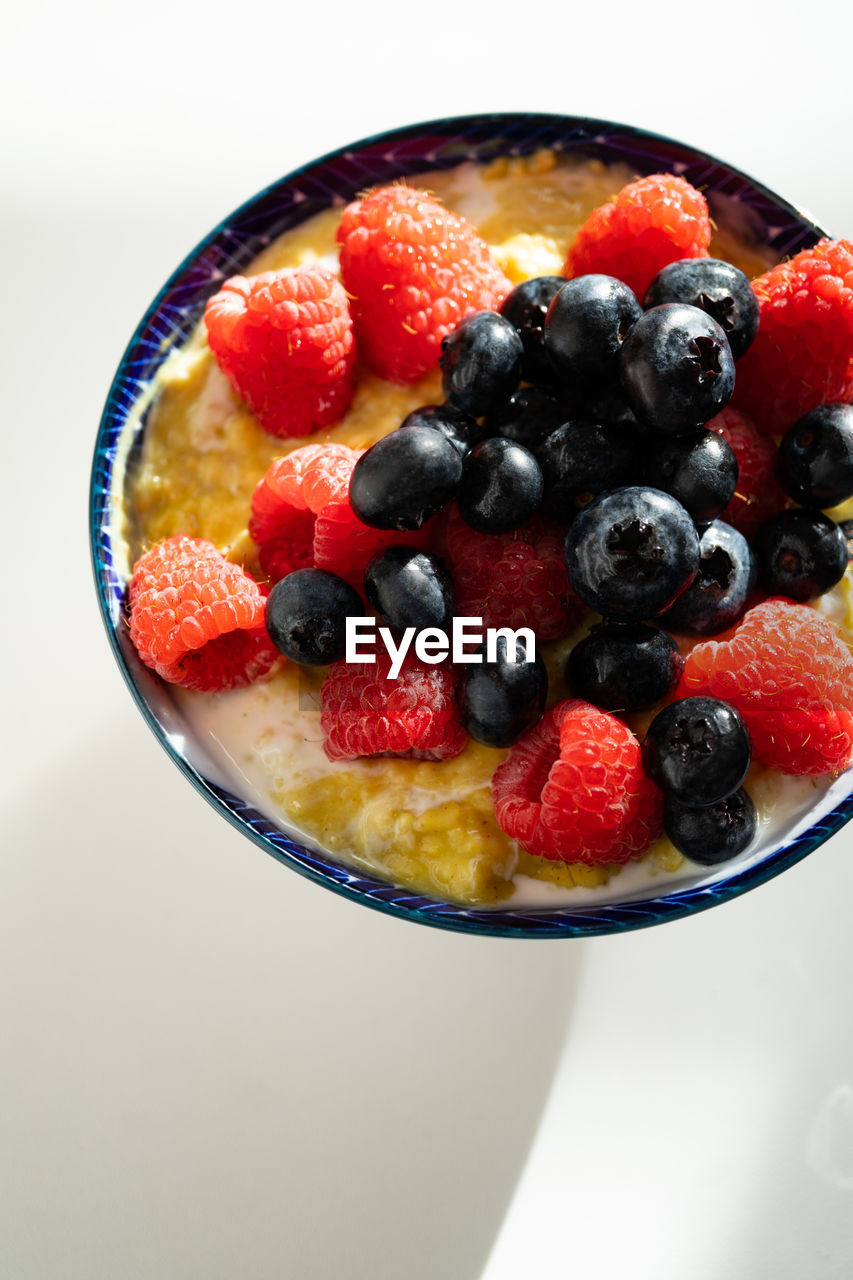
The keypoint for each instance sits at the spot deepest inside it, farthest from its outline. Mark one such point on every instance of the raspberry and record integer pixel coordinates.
(284, 340)
(574, 789)
(196, 618)
(650, 223)
(803, 354)
(515, 579)
(790, 676)
(758, 494)
(363, 712)
(413, 270)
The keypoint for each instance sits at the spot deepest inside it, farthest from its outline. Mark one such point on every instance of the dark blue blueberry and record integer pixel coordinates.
(698, 750)
(306, 614)
(409, 588)
(585, 327)
(405, 478)
(718, 288)
(461, 429)
(631, 552)
(481, 363)
(624, 666)
(800, 553)
(676, 368)
(713, 834)
(719, 594)
(530, 414)
(525, 308)
(501, 486)
(500, 700)
(698, 468)
(815, 459)
(580, 460)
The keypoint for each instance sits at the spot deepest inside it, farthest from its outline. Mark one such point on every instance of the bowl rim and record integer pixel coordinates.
(594, 919)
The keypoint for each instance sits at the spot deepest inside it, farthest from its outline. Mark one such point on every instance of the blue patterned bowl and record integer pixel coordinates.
(439, 144)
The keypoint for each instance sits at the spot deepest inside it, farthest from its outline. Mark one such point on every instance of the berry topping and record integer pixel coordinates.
(676, 368)
(586, 324)
(481, 363)
(698, 468)
(405, 478)
(363, 712)
(529, 415)
(574, 789)
(409, 588)
(624, 666)
(758, 493)
(815, 462)
(412, 270)
(651, 222)
(461, 429)
(284, 340)
(525, 309)
(698, 750)
(800, 553)
(803, 354)
(503, 698)
(306, 615)
(720, 592)
(580, 460)
(501, 486)
(716, 287)
(287, 499)
(196, 618)
(713, 834)
(631, 552)
(791, 678)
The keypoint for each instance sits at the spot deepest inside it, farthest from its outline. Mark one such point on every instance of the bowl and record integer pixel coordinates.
(734, 198)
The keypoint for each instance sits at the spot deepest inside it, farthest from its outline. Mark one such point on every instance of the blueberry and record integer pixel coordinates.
(306, 614)
(481, 363)
(718, 288)
(582, 459)
(815, 460)
(800, 553)
(719, 594)
(624, 666)
(500, 700)
(461, 429)
(697, 750)
(525, 308)
(631, 552)
(409, 588)
(713, 834)
(586, 325)
(699, 468)
(405, 478)
(501, 486)
(676, 368)
(530, 414)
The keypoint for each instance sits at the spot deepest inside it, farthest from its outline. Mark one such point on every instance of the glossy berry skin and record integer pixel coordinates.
(409, 588)
(719, 594)
(525, 307)
(586, 324)
(624, 666)
(501, 486)
(481, 363)
(461, 429)
(499, 701)
(306, 615)
(405, 478)
(631, 552)
(815, 459)
(698, 468)
(698, 750)
(714, 286)
(528, 417)
(580, 460)
(676, 368)
(713, 834)
(800, 554)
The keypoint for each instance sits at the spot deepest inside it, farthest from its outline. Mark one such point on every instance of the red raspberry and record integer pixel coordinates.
(759, 494)
(788, 673)
(196, 618)
(515, 579)
(574, 789)
(285, 342)
(650, 223)
(363, 712)
(803, 354)
(412, 270)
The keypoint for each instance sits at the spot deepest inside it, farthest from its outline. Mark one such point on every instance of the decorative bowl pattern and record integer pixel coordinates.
(333, 180)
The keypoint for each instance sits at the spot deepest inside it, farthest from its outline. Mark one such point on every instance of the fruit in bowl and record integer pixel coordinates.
(517, 388)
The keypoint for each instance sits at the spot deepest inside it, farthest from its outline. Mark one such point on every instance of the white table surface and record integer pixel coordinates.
(211, 1068)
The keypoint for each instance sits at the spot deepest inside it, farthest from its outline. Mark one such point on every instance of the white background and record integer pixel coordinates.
(210, 1068)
